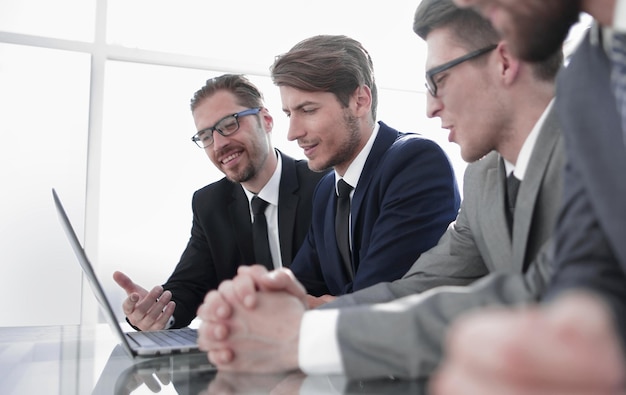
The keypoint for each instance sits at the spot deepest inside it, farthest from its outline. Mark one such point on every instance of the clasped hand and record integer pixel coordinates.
(252, 322)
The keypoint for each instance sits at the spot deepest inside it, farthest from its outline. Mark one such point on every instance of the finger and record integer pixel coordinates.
(212, 336)
(227, 291)
(245, 290)
(157, 308)
(147, 302)
(252, 270)
(215, 307)
(125, 282)
(222, 358)
(122, 279)
(143, 315)
(283, 280)
(276, 280)
(128, 306)
(164, 317)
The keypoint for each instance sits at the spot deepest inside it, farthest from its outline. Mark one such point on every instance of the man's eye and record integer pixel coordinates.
(229, 126)
(203, 135)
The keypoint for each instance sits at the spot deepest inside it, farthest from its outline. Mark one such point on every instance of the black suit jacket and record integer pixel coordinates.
(591, 231)
(221, 234)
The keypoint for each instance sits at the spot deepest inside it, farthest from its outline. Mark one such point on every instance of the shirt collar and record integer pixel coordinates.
(619, 16)
(270, 191)
(523, 158)
(353, 173)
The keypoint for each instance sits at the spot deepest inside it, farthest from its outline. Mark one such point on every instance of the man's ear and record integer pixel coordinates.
(363, 100)
(509, 64)
(268, 121)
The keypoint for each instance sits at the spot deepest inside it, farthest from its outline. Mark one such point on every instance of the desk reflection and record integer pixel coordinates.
(193, 374)
(79, 360)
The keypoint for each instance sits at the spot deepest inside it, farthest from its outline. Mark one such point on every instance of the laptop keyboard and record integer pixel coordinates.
(166, 338)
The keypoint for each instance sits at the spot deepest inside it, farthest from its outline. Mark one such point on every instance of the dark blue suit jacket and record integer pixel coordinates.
(405, 198)
(591, 231)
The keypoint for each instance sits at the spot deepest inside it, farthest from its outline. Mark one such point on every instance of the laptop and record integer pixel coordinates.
(136, 344)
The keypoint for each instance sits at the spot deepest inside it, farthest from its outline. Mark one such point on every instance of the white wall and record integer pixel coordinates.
(44, 96)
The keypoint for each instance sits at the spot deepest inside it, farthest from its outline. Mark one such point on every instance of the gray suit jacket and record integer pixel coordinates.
(591, 233)
(404, 338)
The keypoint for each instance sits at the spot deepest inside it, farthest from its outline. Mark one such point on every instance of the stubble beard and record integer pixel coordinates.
(347, 150)
(257, 156)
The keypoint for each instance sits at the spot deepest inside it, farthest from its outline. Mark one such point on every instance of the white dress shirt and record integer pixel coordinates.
(523, 158)
(269, 193)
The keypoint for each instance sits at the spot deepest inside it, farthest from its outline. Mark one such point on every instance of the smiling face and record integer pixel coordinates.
(468, 101)
(242, 156)
(535, 29)
(328, 133)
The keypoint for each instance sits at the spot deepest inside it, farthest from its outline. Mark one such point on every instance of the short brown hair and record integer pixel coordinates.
(472, 31)
(247, 94)
(326, 63)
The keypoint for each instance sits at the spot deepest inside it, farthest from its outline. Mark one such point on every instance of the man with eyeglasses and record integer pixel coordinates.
(574, 342)
(499, 110)
(234, 130)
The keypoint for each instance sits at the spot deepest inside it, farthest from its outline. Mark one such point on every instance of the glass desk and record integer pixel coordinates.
(72, 360)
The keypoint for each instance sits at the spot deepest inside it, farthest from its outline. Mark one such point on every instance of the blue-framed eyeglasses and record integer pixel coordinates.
(431, 85)
(225, 126)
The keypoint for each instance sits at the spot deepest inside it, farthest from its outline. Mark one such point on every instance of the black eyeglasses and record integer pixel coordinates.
(431, 85)
(225, 126)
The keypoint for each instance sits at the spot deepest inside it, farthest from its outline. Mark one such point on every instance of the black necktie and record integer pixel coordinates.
(342, 223)
(512, 187)
(259, 234)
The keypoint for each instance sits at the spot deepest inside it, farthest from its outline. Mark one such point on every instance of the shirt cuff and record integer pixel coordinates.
(170, 322)
(318, 346)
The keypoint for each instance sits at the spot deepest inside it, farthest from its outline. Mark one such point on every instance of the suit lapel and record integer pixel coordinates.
(385, 138)
(529, 188)
(494, 217)
(287, 206)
